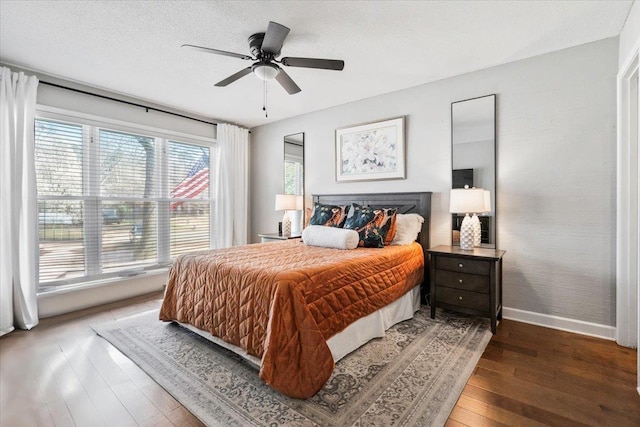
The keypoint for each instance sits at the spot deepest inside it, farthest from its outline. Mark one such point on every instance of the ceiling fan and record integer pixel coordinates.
(265, 48)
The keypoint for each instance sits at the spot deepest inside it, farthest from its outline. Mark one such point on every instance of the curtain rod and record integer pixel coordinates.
(126, 102)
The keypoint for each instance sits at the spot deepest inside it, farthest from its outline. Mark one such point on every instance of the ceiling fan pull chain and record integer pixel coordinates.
(264, 98)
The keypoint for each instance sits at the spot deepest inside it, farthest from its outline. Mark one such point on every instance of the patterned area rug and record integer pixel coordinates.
(413, 376)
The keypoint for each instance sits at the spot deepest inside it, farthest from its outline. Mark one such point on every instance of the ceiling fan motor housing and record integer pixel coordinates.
(255, 46)
(265, 48)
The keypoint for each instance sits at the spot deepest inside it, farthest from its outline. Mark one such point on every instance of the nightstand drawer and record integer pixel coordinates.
(463, 298)
(463, 265)
(468, 282)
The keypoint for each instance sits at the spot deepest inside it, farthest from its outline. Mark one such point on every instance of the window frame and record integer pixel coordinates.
(91, 126)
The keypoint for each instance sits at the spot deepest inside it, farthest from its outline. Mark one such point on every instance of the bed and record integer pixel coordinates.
(294, 309)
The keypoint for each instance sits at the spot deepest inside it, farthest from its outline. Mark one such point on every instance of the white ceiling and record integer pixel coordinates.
(133, 47)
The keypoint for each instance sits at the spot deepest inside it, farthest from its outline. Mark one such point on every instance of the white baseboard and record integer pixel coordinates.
(562, 323)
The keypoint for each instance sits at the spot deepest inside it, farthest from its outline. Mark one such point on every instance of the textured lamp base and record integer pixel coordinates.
(477, 230)
(295, 222)
(286, 224)
(466, 233)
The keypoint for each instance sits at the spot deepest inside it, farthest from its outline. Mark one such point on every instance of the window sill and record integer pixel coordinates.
(64, 289)
(90, 294)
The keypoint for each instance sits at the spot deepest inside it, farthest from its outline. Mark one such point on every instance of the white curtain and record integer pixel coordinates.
(232, 186)
(18, 206)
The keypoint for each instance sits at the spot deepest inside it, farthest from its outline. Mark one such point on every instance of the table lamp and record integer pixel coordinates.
(286, 202)
(467, 201)
(297, 221)
(477, 228)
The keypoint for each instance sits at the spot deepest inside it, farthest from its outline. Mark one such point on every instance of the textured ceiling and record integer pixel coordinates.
(133, 47)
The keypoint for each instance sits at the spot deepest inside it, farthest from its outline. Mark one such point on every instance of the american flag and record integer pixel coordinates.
(196, 181)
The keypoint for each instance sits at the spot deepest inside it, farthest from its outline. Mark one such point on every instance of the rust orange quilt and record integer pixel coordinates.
(282, 301)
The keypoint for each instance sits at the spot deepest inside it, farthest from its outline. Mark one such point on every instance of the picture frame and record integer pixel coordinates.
(371, 151)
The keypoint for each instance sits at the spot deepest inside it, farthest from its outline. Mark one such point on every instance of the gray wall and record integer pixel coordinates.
(556, 170)
(68, 100)
(50, 96)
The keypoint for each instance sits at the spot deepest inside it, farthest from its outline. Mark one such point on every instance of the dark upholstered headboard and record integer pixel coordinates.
(419, 203)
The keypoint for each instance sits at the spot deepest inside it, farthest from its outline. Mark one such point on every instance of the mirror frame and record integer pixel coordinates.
(494, 201)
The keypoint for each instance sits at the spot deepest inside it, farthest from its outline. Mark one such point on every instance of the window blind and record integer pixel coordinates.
(293, 175)
(112, 203)
(189, 204)
(59, 153)
(127, 183)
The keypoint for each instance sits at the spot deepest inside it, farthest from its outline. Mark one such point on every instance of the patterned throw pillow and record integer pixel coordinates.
(373, 224)
(329, 215)
(392, 229)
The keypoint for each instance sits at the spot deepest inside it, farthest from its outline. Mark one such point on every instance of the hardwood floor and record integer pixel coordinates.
(531, 376)
(62, 374)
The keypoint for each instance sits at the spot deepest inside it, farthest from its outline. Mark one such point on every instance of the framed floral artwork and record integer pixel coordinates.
(371, 151)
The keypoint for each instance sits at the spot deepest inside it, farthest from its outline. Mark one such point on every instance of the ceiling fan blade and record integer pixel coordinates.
(218, 52)
(325, 64)
(287, 83)
(234, 77)
(274, 38)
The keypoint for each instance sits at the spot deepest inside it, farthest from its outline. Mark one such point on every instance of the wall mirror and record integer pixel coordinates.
(473, 156)
(294, 175)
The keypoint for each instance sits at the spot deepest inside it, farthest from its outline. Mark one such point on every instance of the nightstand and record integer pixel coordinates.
(467, 281)
(275, 237)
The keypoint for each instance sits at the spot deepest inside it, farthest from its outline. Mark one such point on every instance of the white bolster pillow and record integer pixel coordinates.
(330, 237)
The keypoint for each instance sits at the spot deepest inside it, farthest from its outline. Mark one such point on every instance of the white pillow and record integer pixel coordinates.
(407, 228)
(330, 237)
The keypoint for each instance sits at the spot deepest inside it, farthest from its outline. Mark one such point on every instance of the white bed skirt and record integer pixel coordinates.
(353, 336)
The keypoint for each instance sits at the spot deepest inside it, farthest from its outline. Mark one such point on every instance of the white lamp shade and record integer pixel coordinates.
(299, 203)
(286, 202)
(464, 200)
(487, 201)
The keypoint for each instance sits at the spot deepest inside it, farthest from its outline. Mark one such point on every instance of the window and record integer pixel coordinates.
(293, 175)
(188, 179)
(114, 202)
(293, 164)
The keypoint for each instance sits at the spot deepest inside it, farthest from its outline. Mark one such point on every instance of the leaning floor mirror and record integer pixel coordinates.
(294, 177)
(473, 155)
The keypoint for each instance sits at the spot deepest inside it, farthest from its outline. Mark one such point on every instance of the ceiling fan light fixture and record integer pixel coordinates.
(266, 71)
(265, 48)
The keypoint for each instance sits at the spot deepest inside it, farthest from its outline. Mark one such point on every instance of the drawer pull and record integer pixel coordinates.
(460, 298)
(460, 265)
(460, 281)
